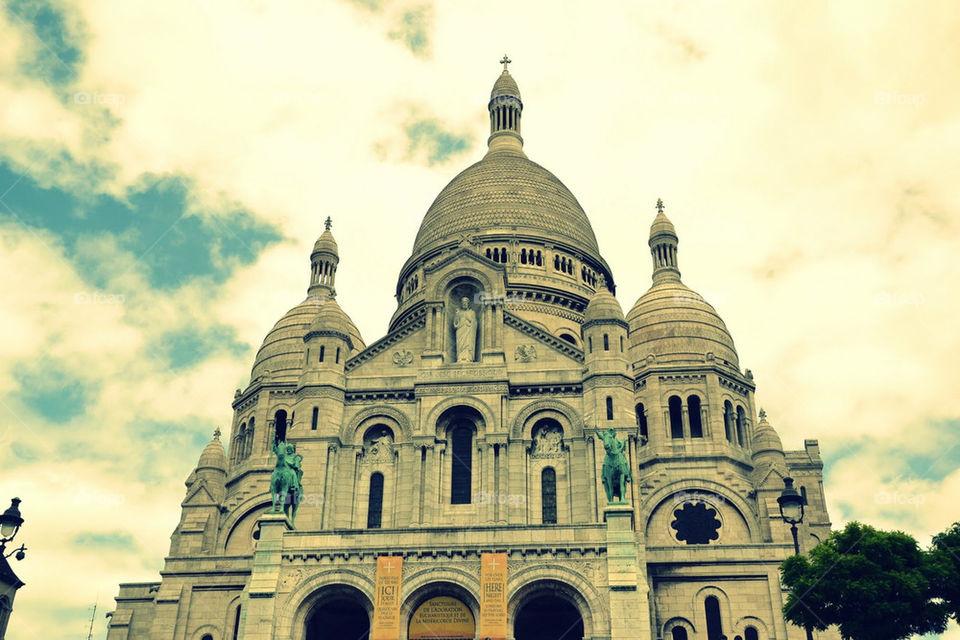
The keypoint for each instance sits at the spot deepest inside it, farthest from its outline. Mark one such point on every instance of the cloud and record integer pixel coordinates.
(413, 29)
(162, 184)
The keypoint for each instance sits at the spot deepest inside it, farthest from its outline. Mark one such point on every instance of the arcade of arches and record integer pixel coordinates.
(544, 615)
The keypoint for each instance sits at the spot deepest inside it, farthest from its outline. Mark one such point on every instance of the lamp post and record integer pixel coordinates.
(791, 512)
(10, 522)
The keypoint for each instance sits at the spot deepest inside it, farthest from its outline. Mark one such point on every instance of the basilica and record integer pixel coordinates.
(447, 480)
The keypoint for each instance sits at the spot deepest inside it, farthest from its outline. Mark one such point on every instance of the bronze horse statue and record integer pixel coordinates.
(616, 469)
(285, 486)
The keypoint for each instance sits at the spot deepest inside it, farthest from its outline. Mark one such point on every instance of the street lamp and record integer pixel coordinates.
(10, 522)
(791, 511)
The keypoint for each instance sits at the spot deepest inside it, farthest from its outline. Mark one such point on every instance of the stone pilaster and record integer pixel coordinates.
(626, 576)
(259, 598)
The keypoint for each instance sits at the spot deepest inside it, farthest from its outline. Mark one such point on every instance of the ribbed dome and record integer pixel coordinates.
(603, 306)
(675, 324)
(505, 86)
(213, 456)
(282, 351)
(506, 193)
(662, 226)
(326, 243)
(332, 318)
(765, 438)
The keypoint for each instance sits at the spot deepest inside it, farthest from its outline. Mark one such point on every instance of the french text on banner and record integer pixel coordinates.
(386, 608)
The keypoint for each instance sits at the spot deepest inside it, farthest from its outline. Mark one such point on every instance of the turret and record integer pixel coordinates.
(323, 263)
(505, 109)
(200, 510)
(606, 381)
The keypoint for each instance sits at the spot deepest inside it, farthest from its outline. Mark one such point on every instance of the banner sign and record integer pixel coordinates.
(386, 608)
(493, 596)
(442, 618)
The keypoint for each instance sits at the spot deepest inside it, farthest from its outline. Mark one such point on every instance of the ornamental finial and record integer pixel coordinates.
(505, 61)
(328, 223)
(763, 415)
(659, 205)
(216, 433)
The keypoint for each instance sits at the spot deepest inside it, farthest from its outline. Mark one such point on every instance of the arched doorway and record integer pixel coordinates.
(338, 617)
(548, 617)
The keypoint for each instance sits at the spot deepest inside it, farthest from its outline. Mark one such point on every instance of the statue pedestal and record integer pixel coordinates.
(629, 607)
(258, 600)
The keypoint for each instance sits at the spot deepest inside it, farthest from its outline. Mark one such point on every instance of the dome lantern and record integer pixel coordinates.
(323, 263)
(663, 247)
(505, 109)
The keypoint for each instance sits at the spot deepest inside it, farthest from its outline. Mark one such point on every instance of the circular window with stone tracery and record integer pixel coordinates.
(696, 523)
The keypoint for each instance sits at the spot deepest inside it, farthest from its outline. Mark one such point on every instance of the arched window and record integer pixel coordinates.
(338, 356)
(696, 423)
(609, 408)
(279, 426)
(803, 494)
(523, 256)
(236, 624)
(488, 252)
(461, 450)
(556, 263)
(314, 419)
(248, 448)
(750, 633)
(741, 424)
(503, 255)
(714, 625)
(548, 495)
(241, 442)
(606, 342)
(621, 344)
(642, 423)
(568, 338)
(539, 259)
(679, 633)
(676, 416)
(590, 343)
(206, 636)
(728, 420)
(322, 350)
(375, 502)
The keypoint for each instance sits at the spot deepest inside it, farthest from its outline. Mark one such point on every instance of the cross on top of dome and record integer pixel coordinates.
(328, 223)
(659, 205)
(505, 61)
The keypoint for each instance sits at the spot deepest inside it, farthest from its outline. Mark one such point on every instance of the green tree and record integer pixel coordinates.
(946, 546)
(874, 585)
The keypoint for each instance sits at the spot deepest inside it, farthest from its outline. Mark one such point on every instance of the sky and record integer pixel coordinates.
(166, 167)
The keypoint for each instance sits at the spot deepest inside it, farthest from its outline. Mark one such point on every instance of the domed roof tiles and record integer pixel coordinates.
(282, 351)
(508, 193)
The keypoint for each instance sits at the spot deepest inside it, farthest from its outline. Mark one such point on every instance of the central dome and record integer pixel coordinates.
(506, 193)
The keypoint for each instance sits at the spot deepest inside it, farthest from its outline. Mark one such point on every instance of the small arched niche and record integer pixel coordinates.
(465, 303)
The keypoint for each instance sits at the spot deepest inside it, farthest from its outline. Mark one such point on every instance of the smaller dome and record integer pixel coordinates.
(282, 352)
(675, 324)
(326, 242)
(505, 86)
(662, 226)
(765, 438)
(213, 456)
(603, 306)
(332, 318)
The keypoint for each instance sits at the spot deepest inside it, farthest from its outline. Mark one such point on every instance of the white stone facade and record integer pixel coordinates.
(497, 454)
